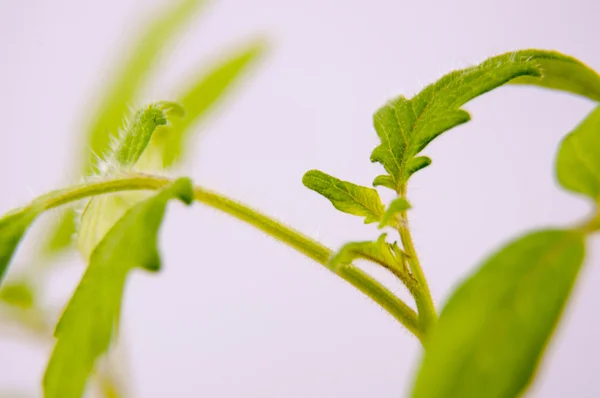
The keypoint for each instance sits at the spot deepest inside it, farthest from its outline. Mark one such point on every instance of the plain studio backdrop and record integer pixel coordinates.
(236, 314)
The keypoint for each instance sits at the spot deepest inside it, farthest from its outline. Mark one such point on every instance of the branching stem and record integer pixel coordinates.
(298, 241)
(422, 295)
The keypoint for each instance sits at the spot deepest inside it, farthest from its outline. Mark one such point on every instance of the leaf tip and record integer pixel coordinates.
(183, 189)
(171, 108)
(384, 181)
(307, 178)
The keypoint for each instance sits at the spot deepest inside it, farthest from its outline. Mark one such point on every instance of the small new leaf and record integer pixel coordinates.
(124, 87)
(12, 228)
(405, 127)
(384, 181)
(345, 196)
(389, 256)
(398, 205)
(493, 330)
(121, 91)
(136, 136)
(578, 160)
(100, 213)
(91, 318)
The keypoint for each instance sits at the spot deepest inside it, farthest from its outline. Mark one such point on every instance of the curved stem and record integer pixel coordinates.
(127, 183)
(300, 242)
(315, 250)
(422, 295)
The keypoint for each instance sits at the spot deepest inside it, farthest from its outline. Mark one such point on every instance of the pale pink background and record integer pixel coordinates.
(235, 314)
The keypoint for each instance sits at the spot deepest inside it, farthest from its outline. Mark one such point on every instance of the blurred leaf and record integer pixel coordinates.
(345, 196)
(405, 127)
(12, 228)
(398, 205)
(566, 74)
(60, 234)
(101, 213)
(90, 320)
(201, 96)
(493, 330)
(18, 294)
(121, 92)
(578, 161)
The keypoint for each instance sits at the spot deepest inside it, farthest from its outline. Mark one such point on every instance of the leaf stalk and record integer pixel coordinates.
(296, 240)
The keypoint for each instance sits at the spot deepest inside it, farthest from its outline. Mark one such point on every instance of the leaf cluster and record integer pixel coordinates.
(493, 330)
(491, 333)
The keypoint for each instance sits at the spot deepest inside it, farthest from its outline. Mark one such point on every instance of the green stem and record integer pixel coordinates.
(128, 183)
(591, 225)
(422, 295)
(305, 245)
(316, 251)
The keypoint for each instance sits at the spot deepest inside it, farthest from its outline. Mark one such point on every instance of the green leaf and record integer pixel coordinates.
(101, 213)
(492, 332)
(90, 320)
(121, 92)
(138, 133)
(405, 127)
(578, 160)
(345, 196)
(134, 73)
(398, 205)
(18, 294)
(12, 228)
(566, 74)
(201, 97)
(60, 235)
(384, 181)
(389, 256)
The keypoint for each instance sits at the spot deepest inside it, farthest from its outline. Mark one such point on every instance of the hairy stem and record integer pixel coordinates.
(316, 251)
(300, 242)
(93, 188)
(422, 295)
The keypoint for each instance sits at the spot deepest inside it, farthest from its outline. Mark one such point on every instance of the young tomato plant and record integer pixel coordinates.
(490, 336)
